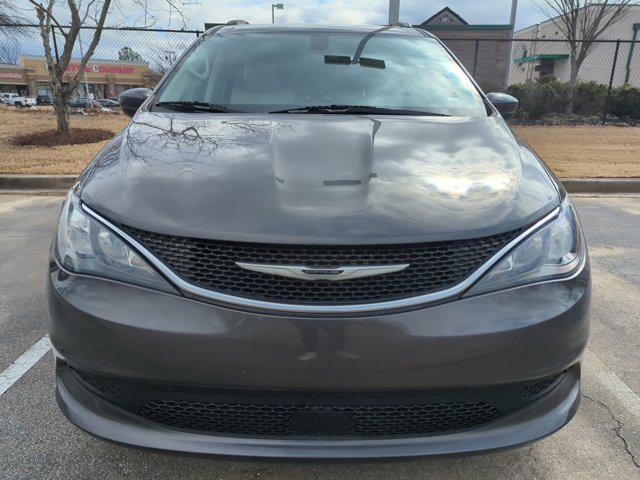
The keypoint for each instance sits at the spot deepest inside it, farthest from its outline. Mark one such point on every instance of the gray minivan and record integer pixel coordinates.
(318, 241)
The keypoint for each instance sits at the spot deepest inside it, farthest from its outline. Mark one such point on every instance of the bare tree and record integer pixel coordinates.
(82, 13)
(582, 22)
(162, 59)
(9, 18)
(9, 49)
(9, 13)
(57, 64)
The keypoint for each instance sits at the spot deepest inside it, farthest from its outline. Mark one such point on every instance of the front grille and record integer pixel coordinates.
(286, 420)
(212, 265)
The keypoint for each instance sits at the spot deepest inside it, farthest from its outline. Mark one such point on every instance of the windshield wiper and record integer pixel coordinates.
(191, 106)
(357, 109)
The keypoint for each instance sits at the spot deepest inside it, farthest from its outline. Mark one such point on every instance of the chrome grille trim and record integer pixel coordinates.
(321, 309)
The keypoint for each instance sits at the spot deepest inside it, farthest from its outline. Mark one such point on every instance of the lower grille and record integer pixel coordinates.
(100, 384)
(285, 414)
(540, 386)
(286, 420)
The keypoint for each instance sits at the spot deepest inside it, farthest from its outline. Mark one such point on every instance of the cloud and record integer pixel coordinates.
(359, 11)
(197, 12)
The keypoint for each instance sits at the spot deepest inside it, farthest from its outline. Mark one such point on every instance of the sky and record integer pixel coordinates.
(197, 12)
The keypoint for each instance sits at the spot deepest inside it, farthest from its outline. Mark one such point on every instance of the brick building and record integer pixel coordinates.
(106, 78)
(487, 61)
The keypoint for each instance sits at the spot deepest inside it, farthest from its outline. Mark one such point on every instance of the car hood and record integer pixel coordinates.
(323, 179)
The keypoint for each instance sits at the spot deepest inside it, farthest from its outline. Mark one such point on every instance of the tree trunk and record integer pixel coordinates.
(59, 101)
(573, 79)
(62, 117)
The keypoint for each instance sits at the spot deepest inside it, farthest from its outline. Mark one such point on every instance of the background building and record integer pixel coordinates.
(531, 60)
(486, 60)
(105, 78)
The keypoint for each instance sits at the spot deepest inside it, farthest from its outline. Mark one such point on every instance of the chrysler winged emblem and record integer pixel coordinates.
(330, 274)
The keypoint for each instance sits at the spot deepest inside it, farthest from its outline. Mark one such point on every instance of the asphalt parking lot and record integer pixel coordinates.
(602, 441)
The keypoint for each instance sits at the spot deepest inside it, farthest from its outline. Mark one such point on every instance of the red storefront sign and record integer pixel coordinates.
(98, 68)
(10, 75)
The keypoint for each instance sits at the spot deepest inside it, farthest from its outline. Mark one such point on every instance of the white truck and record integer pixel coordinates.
(19, 101)
(4, 97)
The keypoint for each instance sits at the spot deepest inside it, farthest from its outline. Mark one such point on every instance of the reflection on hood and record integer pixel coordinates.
(326, 179)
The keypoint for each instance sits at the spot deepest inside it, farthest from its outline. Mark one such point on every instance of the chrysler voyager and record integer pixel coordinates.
(318, 241)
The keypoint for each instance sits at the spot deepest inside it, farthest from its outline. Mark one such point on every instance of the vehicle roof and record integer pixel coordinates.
(321, 27)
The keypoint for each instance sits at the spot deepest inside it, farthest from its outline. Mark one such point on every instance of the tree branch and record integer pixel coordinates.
(92, 46)
(45, 32)
(79, 12)
(48, 13)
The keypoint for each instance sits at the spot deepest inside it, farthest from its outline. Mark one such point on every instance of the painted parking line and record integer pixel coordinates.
(625, 396)
(23, 363)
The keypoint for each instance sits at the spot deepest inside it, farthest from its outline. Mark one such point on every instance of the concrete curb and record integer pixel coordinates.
(601, 185)
(573, 185)
(37, 182)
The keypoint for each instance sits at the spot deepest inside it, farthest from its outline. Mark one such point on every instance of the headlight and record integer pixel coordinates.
(85, 246)
(556, 250)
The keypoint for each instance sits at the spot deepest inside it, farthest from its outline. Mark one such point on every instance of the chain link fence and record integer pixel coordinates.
(124, 58)
(537, 71)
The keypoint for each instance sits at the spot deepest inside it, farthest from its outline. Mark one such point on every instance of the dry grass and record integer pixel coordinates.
(587, 151)
(51, 160)
(569, 151)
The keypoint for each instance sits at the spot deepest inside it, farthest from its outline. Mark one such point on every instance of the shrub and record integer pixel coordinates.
(548, 95)
(521, 91)
(494, 87)
(536, 99)
(625, 102)
(542, 99)
(518, 90)
(588, 98)
(557, 97)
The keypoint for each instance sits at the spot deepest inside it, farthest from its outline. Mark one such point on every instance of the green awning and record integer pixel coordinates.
(542, 56)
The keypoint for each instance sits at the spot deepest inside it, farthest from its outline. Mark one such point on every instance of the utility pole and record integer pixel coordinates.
(86, 82)
(512, 22)
(394, 11)
(514, 9)
(274, 7)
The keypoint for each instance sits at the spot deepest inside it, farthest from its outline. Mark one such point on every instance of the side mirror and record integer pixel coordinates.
(130, 100)
(505, 104)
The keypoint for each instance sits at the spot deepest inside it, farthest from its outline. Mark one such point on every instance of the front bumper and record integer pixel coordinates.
(126, 332)
(94, 415)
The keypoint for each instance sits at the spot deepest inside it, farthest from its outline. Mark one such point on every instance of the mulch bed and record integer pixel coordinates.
(52, 138)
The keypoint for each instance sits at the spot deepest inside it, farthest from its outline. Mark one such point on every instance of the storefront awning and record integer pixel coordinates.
(542, 56)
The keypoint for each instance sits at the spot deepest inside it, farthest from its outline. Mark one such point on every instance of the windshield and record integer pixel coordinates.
(275, 71)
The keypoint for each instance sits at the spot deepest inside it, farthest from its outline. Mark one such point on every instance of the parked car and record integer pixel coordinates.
(44, 99)
(22, 102)
(325, 243)
(107, 103)
(82, 103)
(7, 97)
